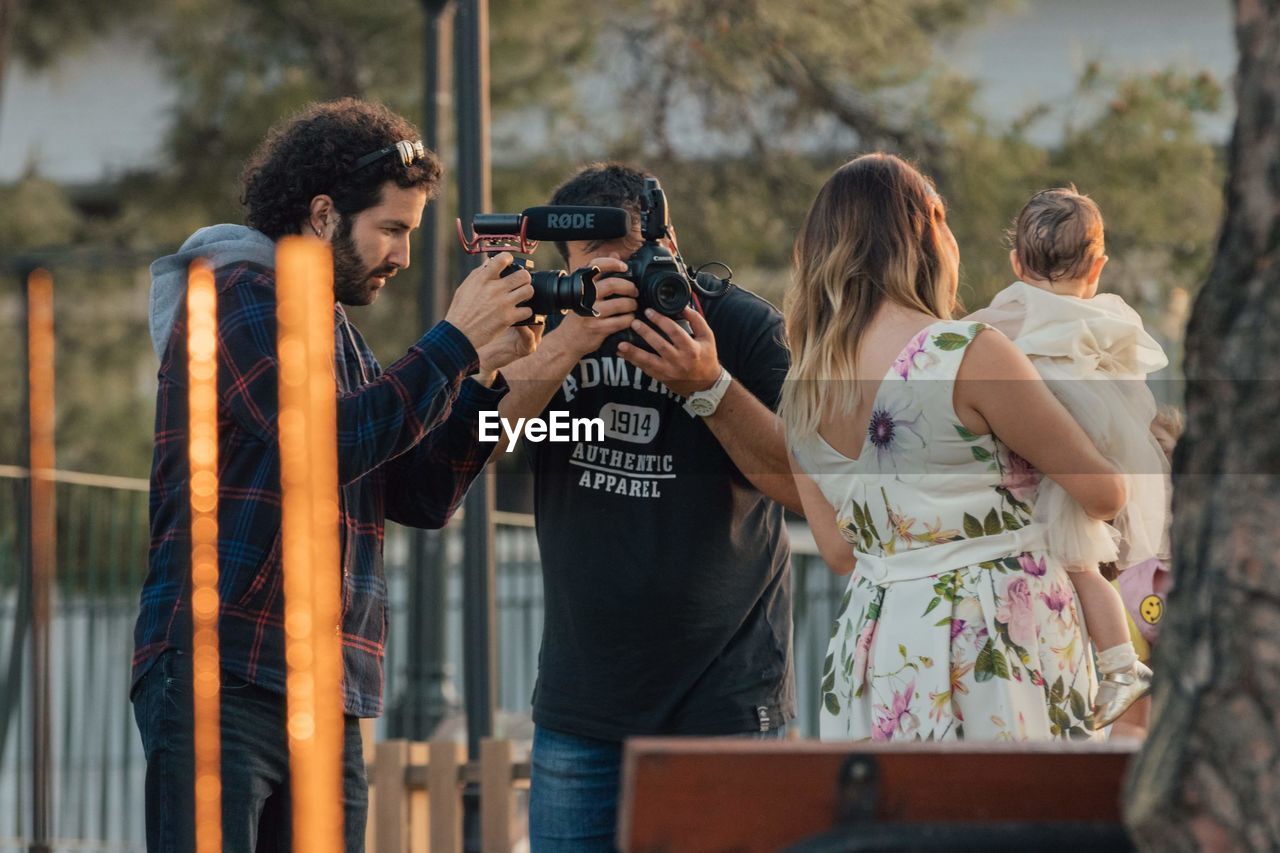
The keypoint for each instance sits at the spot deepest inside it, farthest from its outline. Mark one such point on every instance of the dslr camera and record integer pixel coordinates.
(554, 291)
(660, 276)
(663, 280)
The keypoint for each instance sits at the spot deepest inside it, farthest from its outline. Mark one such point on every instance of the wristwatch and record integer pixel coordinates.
(704, 403)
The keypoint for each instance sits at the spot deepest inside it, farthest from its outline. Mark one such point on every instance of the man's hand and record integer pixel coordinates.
(683, 363)
(515, 343)
(616, 305)
(485, 303)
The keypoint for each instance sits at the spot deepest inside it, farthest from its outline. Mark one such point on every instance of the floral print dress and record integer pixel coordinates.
(955, 623)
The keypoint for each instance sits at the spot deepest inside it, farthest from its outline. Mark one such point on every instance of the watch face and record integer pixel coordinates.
(702, 406)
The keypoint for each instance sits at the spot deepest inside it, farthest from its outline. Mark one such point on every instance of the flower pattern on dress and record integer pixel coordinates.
(894, 435)
(1015, 612)
(1020, 478)
(897, 719)
(990, 651)
(915, 357)
(1033, 566)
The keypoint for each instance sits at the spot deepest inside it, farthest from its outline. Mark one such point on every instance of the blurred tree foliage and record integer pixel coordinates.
(742, 107)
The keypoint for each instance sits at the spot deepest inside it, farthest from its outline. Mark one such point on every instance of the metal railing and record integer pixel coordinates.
(102, 527)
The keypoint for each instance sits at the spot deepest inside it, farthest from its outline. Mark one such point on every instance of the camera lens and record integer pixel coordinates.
(555, 292)
(670, 294)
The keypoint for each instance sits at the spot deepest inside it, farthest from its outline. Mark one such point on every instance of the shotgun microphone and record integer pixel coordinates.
(567, 222)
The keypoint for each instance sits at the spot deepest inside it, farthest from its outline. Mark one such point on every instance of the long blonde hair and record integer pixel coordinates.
(873, 234)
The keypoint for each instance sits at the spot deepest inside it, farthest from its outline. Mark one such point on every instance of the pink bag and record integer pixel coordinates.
(1142, 587)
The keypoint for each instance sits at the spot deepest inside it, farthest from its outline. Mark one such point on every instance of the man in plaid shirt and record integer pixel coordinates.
(407, 450)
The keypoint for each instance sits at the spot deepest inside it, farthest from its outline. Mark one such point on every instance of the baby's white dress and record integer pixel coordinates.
(1095, 355)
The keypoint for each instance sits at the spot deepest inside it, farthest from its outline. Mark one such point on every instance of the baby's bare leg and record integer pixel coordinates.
(1103, 608)
(1124, 678)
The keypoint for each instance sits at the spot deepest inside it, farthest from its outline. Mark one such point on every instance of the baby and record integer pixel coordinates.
(1094, 354)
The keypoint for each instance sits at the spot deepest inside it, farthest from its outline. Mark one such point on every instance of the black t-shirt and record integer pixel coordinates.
(666, 573)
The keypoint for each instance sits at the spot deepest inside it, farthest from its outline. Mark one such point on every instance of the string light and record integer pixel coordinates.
(202, 452)
(312, 566)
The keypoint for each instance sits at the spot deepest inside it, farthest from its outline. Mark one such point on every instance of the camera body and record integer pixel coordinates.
(661, 278)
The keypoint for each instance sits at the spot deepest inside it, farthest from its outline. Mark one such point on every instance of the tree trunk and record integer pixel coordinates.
(1208, 776)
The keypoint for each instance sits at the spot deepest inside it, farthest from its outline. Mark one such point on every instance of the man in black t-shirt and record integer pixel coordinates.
(664, 551)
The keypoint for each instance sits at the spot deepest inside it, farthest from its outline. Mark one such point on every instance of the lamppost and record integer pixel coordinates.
(471, 64)
(428, 694)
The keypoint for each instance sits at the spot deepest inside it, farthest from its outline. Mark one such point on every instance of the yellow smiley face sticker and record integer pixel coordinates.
(1151, 609)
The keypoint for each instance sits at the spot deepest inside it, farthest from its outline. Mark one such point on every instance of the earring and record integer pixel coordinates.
(315, 228)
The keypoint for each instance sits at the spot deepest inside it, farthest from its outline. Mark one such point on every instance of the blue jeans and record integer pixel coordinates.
(256, 810)
(573, 793)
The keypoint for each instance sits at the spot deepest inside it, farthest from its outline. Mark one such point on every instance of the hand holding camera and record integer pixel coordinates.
(686, 362)
(615, 309)
(510, 345)
(488, 302)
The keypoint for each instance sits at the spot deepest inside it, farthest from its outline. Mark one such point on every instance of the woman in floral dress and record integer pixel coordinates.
(909, 432)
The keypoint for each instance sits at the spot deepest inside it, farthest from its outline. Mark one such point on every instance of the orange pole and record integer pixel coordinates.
(40, 380)
(312, 566)
(202, 414)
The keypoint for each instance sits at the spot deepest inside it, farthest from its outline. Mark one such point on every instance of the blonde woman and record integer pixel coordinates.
(909, 432)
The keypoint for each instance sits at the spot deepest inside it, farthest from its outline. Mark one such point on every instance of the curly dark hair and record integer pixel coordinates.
(312, 153)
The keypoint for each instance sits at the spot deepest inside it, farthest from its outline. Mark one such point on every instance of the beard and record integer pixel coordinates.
(352, 279)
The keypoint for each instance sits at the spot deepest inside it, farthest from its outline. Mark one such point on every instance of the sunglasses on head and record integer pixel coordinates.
(408, 152)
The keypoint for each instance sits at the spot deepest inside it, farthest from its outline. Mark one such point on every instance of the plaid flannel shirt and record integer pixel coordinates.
(407, 450)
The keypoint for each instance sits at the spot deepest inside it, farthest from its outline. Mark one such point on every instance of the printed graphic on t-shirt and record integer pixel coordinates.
(636, 424)
(611, 372)
(632, 474)
(621, 472)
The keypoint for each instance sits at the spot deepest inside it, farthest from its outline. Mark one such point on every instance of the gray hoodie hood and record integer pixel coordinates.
(221, 245)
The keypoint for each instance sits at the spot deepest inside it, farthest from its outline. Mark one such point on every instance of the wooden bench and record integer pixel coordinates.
(741, 795)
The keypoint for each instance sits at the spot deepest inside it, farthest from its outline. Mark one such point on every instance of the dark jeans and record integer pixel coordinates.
(256, 810)
(573, 793)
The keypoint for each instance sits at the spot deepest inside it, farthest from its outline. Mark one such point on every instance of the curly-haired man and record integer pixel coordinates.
(355, 175)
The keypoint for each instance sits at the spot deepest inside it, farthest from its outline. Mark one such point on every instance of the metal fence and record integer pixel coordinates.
(102, 558)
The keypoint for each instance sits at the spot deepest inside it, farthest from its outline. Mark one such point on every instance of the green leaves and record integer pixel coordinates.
(832, 703)
(972, 527)
(991, 663)
(844, 602)
(1078, 707)
(981, 454)
(950, 341)
(991, 524)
